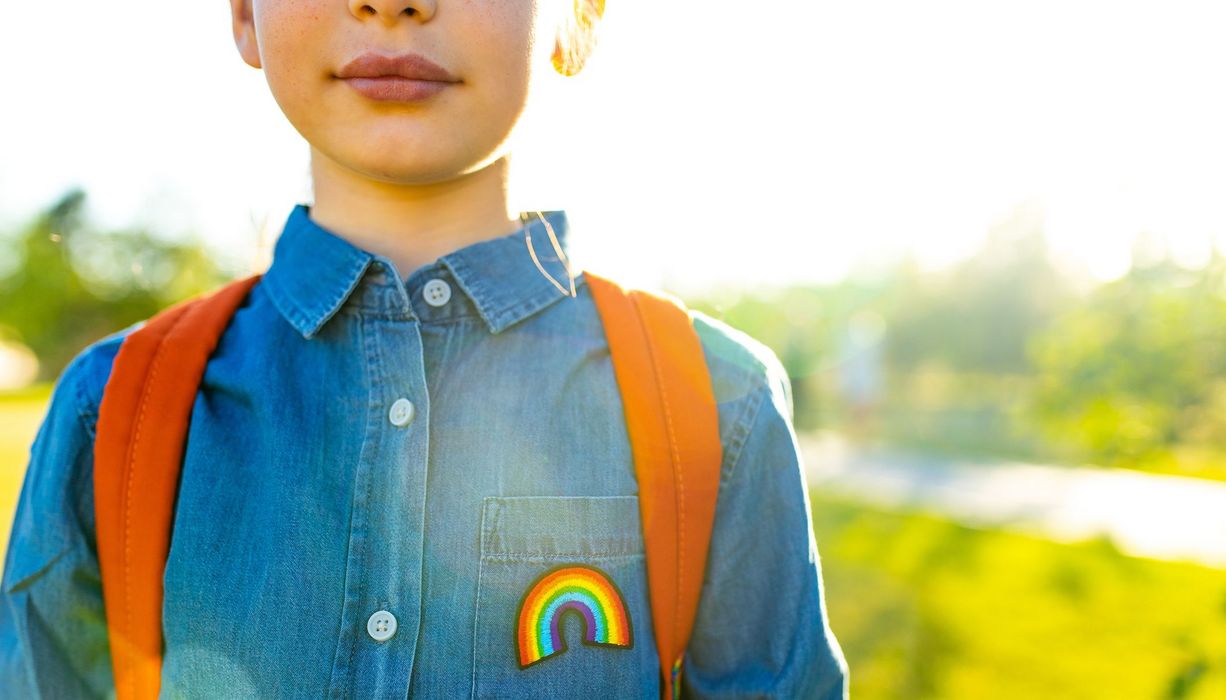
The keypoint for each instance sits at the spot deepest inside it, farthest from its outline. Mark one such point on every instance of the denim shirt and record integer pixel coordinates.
(378, 470)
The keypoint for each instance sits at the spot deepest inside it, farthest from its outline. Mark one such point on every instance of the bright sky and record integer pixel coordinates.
(721, 143)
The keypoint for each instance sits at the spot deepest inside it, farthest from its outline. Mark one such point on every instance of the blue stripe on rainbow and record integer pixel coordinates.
(583, 589)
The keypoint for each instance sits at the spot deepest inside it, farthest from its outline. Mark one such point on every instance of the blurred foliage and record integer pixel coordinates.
(1008, 354)
(1136, 373)
(924, 608)
(979, 315)
(65, 284)
(955, 369)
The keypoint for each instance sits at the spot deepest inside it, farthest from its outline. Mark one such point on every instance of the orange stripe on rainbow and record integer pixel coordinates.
(571, 587)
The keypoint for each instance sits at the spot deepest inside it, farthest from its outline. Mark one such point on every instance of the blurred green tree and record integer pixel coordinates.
(979, 315)
(1139, 368)
(66, 284)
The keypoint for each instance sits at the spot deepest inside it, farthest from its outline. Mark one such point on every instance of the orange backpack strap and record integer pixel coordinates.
(138, 452)
(673, 425)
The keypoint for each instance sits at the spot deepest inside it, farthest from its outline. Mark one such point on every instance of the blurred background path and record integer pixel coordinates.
(1150, 515)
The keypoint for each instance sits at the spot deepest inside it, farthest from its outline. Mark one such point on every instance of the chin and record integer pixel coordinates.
(423, 158)
(414, 167)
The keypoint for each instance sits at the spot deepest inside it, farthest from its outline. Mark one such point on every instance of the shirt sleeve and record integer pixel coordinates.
(53, 635)
(761, 630)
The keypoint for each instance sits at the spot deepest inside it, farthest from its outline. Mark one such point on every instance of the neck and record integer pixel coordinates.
(413, 225)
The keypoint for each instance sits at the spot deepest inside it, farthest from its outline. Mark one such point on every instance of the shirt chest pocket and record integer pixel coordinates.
(562, 607)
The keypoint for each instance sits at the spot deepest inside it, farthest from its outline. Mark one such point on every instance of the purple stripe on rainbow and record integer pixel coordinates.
(589, 623)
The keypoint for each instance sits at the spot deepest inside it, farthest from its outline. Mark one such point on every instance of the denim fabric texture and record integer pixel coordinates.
(307, 503)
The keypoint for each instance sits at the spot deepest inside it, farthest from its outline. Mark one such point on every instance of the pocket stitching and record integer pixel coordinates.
(628, 543)
(472, 686)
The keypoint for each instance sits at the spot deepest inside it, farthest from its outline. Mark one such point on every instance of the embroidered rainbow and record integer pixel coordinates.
(583, 589)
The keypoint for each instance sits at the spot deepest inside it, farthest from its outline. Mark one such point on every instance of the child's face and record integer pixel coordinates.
(495, 48)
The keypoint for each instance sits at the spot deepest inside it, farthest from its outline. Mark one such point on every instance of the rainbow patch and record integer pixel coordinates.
(583, 589)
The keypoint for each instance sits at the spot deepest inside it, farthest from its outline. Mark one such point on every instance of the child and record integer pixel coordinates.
(409, 417)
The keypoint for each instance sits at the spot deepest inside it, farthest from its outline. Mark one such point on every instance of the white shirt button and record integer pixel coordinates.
(401, 413)
(381, 626)
(436, 292)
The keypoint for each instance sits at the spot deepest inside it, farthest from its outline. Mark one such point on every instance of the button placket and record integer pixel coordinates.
(387, 526)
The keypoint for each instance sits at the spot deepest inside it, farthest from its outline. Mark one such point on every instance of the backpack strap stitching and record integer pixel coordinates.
(147, 389)
(674, 455)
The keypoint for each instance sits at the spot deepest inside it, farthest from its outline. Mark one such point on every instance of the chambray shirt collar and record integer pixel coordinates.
(314, 272)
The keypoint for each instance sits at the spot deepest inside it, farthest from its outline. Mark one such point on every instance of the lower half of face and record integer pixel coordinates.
(377, 127)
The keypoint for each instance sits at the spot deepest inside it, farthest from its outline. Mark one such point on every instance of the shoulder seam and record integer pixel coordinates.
(87, 413)
(743, 428)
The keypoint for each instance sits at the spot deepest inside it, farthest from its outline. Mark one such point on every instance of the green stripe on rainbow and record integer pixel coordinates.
(571, 587)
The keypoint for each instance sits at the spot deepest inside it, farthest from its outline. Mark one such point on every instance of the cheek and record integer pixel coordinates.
(292, 34)
(502, 46)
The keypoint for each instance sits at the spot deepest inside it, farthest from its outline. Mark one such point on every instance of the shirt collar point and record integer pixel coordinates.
(313, 272)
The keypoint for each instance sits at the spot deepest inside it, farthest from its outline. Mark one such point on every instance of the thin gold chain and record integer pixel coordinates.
(523, 217)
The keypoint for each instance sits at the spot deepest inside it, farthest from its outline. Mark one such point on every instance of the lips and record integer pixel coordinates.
(408, 77)
(412, 66)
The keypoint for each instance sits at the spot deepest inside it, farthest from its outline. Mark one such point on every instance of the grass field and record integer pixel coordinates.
(20, 415)
(925, 608)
